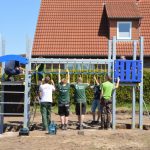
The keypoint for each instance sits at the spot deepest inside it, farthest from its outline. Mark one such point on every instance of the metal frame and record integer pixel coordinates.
(133, 85)
(110, 62)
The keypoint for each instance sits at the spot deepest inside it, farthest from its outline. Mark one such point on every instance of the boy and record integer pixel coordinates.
(45, 92)
(64, 100)
(96, 102)
(12, 68)
(105, 101)
(80, 99)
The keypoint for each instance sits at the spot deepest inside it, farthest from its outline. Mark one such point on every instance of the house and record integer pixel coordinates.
(82, 28)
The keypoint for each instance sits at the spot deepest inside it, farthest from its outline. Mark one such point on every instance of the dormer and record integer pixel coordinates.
(123, 20)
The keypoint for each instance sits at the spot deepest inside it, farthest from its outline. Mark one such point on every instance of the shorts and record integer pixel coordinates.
(96, 104)
(63, 109)
(83, 109)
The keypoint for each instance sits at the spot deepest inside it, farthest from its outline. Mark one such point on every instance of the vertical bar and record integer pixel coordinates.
(122, 64)
(109, 56)
(27, 88)
(134, 49)
(133, 71)
(117, 70)
(141, 84)
(128, 71)
(114, 93)
(2, 50)
(139, 65)
(133, 88)
(133, 107)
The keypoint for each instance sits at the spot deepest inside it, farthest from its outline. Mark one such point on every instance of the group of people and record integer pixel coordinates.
(102, 100)
(102, 97)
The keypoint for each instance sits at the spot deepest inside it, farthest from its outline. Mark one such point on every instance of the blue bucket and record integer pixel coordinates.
(52, 128)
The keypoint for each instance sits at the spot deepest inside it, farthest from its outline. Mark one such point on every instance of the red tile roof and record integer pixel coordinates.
(122, 10)
(73, 28)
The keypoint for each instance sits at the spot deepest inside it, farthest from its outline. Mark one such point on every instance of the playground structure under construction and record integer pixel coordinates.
(130, 73)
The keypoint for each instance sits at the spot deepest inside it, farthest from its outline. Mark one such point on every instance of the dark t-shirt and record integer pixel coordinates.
(64, 93)
(97, 92)
(11, 65)
(80, 92)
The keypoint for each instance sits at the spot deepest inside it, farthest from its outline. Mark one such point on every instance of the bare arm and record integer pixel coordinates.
(117, 84)
(68, 76)
(96, 80)
(52, 82)
(59, 78)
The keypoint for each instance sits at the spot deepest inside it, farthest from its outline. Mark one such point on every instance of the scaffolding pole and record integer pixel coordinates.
(2, 50)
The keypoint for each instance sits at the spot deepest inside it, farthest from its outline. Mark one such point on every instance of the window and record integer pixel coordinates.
(124, 30)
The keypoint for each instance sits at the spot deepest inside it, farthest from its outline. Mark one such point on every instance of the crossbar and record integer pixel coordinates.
(70, 61)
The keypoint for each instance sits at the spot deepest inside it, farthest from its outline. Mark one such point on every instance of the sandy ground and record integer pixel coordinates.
(93, 138)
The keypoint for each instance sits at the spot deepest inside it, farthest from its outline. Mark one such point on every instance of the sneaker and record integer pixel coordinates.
(63, 127)
(93, 122)
(66, 126)
(79, 127)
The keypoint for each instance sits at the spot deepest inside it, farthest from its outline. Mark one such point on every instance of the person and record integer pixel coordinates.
(80, 99)
(45, 93)
(12, 68)
(96, 103)
(64, 99)
(105, 100)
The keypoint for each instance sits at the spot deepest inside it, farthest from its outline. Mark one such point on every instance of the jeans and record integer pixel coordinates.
(45, 108)
(96, 104)
(106, 113)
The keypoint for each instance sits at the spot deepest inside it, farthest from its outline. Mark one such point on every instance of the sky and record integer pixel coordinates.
(18, 20)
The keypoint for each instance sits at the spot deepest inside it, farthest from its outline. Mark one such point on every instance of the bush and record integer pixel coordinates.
(124, 94)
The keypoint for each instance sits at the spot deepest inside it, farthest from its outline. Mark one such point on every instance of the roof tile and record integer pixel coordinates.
(78, 28)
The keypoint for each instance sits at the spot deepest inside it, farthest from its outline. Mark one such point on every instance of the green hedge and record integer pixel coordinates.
(124, 94)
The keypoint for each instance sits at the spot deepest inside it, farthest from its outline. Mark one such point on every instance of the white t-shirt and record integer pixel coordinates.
(46, 92)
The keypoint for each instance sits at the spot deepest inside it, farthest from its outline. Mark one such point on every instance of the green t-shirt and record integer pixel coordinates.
(80, 92)
(64, 93)
(107, 88)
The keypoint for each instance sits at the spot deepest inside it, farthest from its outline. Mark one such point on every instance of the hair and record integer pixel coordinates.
(79, 79)
(108, 78)
(98, 78)
(47, 79)
(63, 80)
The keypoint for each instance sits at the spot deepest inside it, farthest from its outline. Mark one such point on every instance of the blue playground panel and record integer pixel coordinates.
(128, 70)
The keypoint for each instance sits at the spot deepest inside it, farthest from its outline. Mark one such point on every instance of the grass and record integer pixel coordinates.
(128, 106)
(123, 106)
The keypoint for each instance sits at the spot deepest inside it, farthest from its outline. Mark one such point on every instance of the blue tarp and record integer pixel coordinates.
(19, 58)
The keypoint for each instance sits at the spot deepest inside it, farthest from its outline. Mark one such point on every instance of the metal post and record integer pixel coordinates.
(133, 89)
(27, 86)
(114, 93)
(141, 84)
(2, 50)
(109, 56)
(133, 107)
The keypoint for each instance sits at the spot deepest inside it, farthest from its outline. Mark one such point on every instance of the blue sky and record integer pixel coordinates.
(18, 20)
